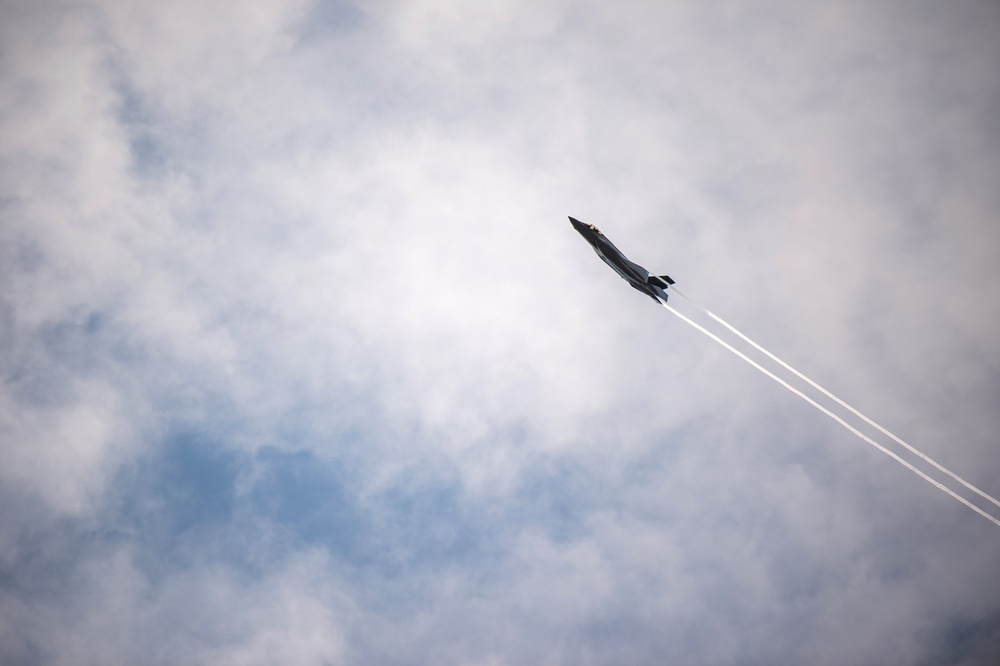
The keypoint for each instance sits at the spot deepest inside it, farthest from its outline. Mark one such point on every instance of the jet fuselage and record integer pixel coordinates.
(637, 276)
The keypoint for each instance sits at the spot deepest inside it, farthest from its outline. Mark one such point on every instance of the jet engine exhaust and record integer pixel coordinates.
(840, 402)
(835, 417)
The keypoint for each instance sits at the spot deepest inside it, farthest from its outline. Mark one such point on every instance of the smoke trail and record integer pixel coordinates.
(835, 417)
(839, 401)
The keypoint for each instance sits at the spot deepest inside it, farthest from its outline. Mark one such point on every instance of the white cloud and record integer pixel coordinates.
(62, 452)
(342, 231)
(205, 616)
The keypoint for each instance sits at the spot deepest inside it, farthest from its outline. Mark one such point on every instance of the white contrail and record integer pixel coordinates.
(840, 402)
(836, 418)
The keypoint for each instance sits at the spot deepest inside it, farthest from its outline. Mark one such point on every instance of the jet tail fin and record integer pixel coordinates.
(665, 278)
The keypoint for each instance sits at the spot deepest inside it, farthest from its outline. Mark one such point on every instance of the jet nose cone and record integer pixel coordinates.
(577, 224)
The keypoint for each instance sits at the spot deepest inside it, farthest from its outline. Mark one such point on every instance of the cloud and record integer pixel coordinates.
(283, 616)
(302, 361)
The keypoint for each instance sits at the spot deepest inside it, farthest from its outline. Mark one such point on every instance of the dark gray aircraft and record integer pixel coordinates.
(653, 286)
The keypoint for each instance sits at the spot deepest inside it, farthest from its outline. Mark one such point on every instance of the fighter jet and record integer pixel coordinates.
(653, 286)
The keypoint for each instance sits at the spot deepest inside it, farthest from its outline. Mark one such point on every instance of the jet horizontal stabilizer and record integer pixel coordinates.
(660, 281)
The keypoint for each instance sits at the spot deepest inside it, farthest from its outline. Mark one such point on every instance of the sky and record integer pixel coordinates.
(303, 363)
